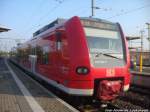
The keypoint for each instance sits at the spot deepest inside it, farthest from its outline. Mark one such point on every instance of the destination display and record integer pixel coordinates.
(98, 24)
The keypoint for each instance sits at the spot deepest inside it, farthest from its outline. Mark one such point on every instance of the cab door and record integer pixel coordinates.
(62, 59)
(58, 58)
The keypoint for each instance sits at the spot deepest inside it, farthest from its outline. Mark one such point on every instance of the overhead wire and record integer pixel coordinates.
(52, 10)
(33, 13)
(129, 11)
(47, 14)
(96, 4)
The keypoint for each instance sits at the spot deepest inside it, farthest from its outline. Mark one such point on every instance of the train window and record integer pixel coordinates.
(58, 41)
(33, 52)
(107, 41)
(39, 54)
(45, 59)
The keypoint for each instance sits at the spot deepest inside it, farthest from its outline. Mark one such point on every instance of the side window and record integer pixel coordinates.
(58, 41)
(39, 53)
(45, 56)
(33, 52)
(65, 46)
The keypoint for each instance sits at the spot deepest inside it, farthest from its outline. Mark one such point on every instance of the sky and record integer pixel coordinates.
(24, 17)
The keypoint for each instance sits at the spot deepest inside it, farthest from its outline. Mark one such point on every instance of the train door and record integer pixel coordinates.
(62, 53)
(44, 61)
(58, 54)
(52, 56)
(33, 60)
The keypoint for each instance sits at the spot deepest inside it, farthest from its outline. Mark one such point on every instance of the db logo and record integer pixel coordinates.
(110, 72)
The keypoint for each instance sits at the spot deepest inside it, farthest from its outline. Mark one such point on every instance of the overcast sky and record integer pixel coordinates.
(24, 17)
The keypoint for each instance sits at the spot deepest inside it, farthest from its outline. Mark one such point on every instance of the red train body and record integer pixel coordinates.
(80, 56)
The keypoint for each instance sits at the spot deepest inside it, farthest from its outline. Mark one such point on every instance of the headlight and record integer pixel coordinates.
(82, 70)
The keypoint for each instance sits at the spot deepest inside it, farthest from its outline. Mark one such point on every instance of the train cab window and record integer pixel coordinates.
(58, 41)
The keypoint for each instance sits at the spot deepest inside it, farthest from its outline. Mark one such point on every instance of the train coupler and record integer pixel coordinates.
(108, 90)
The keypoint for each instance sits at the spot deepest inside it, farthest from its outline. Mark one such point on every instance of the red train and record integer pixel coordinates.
(80, 56)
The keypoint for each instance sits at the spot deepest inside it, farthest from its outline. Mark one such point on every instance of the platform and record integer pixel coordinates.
(20, 93)
(140, 73)
(140, 79)
(145, 70)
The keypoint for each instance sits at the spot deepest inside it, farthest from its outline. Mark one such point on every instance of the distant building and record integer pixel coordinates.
(135, 52)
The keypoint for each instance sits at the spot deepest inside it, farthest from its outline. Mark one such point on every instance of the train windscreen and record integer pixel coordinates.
(105, 47)
(104, 40)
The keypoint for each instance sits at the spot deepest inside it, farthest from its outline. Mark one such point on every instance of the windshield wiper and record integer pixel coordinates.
(108, 55)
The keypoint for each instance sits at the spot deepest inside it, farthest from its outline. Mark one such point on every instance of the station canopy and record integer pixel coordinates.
(2, 29)
(132, 38)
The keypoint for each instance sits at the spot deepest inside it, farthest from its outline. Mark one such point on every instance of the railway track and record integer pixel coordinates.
(126, 101)
(133, 99)
(140, 89)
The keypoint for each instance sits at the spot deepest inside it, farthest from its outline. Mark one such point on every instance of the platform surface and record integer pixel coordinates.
(141, 79)
(140, 73)
(145, 70)
(26, 95)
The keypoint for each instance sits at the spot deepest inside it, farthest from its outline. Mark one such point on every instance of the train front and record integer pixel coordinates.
(101, 63)
(109, 57)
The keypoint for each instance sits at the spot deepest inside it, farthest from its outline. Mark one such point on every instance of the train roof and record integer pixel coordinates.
(61, 21)
(57, 21)
(86, 21)
(99, 23)
(96, 20)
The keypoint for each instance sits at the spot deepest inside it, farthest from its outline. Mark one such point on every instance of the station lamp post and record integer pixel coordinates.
(148, 38)
(141, 54)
